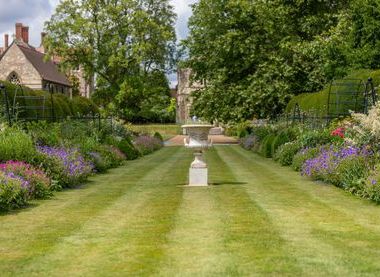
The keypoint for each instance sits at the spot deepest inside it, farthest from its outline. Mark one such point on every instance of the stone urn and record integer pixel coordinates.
(198, 141)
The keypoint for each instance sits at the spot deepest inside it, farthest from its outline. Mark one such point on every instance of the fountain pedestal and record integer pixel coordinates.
(199, 142)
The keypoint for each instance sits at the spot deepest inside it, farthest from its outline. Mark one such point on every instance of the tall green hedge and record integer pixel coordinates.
(317, 102)
(63, 106)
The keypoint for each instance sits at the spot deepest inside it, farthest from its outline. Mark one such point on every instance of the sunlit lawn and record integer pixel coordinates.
(166, 130)
(257, 219)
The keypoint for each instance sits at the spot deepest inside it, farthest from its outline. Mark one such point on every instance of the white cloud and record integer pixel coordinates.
(32, 13)
(183, 10)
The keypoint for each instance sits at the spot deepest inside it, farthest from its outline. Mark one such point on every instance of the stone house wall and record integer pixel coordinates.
(15, 61)
(184, 99)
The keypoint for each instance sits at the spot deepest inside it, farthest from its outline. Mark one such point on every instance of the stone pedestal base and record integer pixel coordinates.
(198, 177)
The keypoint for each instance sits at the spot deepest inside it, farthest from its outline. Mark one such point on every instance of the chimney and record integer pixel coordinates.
(19, 31)
(43, 35)
(25, 34)
(6, 41)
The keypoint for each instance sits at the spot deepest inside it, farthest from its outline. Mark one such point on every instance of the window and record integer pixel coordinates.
(14, 78)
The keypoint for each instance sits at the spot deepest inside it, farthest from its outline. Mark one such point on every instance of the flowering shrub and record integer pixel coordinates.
(106, 157)
(325, 165)
(37, 182)
(366, 128)
(302, 156)
(14, 191)
(338, 132)
(248, 142)
(285, 153)
(371, 187)
(67, 166)
(147, 144)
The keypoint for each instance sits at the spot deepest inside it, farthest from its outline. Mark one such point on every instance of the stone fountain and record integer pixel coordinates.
(199, 142)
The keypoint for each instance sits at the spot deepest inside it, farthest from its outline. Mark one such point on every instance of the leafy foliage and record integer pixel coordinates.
(128, 45)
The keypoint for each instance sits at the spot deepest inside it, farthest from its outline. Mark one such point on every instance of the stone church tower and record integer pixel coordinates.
(184, 90)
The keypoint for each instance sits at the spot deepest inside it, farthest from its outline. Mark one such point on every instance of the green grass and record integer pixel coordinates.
(166, 130)
(257, 219)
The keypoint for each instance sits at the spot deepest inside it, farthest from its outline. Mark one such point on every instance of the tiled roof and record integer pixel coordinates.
(47, 69)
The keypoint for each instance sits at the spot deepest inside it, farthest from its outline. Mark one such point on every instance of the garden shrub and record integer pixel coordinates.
(66, 166)
(43, 133)
(158, 136)
(37, 182)
(315, 137)
(16, 145)
(283, 137)
(371, 186)
(83, 106)
(353, 171)
(302, 156)
(146, 144)
(266, 146)
(325, 166)
(248, 142)
(128, 149)
(285, 153)
(13, 191)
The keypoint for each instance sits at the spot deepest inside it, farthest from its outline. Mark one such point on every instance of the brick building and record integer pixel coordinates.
(24, 64)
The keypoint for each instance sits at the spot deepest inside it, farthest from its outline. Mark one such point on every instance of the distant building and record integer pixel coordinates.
(184, 89)
(23, 64)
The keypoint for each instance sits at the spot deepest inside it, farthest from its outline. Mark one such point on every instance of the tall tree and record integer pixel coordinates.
(261, 52)
(121, 42)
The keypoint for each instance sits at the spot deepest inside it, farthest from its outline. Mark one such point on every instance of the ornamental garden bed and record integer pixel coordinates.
(345, 154)
(40, 158)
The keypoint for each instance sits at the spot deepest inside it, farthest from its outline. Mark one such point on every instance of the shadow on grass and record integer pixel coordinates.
(228, 183)
(19, 210)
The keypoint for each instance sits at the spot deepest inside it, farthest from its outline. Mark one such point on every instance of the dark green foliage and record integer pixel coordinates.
(43, 133)
(63, 106)
(283, 137)
(158, 136)
(266, 146)
(315, 137)
(127, 45)
(128, 149)
(286, 152)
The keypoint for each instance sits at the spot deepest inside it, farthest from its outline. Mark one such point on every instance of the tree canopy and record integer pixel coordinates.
(125, 43)
(255, 55)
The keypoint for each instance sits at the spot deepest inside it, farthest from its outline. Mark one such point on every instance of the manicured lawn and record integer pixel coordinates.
(257, 219)
(166, 130)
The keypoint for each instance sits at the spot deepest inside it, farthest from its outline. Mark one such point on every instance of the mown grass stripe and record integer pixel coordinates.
(54, 222)
(309, 224)
(252, 239)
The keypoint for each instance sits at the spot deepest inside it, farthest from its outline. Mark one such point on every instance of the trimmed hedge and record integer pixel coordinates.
(63, 106)
(317, 102)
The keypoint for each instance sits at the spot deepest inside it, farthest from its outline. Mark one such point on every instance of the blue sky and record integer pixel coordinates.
(34, 13)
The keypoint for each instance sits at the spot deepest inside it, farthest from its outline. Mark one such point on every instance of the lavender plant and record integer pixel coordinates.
(326, 165)
(65, 165)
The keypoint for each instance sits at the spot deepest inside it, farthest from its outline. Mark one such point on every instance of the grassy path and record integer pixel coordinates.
(257, 219)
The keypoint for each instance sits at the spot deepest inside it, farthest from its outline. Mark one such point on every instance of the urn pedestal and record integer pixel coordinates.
(199, 142)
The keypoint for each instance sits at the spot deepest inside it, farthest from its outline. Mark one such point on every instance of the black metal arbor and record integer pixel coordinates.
(350, 95)
(344, 96)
